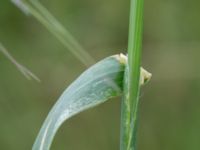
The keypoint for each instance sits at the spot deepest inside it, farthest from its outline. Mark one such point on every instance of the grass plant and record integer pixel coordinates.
(111, 77)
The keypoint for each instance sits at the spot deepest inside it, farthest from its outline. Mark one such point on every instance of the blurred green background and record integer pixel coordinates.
(170, 103)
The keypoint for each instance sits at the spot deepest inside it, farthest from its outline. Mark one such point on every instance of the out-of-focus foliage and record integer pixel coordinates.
(169, 110)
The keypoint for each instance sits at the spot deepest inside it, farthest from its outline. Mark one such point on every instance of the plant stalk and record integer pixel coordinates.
(129, 114)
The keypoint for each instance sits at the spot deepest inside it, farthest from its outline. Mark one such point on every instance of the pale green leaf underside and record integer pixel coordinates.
(96, 85)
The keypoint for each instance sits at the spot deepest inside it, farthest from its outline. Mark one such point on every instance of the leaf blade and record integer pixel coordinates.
(96, 85)
(93, 91)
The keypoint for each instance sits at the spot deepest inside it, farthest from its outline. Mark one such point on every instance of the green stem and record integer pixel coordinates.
(132, 78)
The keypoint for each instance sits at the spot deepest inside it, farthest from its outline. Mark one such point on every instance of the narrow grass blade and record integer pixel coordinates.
(35, 8)
(96, 85)
(27, 73)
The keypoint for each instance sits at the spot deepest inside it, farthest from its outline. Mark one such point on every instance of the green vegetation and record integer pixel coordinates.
(85, 32)
(96, 85)
(59, 113)
(130, 102)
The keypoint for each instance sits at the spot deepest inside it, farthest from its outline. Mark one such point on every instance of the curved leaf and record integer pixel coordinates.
(96, 85)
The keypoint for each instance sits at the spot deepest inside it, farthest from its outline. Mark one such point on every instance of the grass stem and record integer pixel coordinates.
(132, 78)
